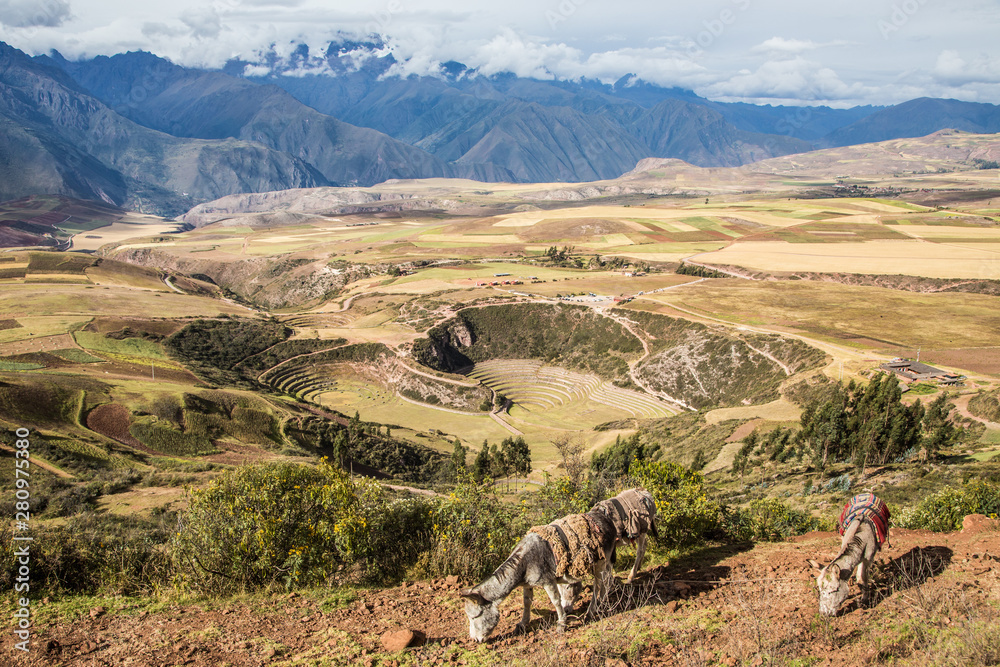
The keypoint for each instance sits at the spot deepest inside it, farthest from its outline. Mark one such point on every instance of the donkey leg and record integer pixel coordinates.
(526, 613)
(640, 554)
(863, 582)
(600, 589)
(554, 598)
(567, 597)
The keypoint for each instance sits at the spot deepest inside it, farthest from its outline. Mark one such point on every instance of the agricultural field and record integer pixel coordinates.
(417, 282)
(866, 318)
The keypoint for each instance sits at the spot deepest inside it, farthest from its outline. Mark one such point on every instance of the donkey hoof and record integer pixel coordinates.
(521, 629)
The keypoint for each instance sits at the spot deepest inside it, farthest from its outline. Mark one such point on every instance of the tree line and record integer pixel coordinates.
(861, 424)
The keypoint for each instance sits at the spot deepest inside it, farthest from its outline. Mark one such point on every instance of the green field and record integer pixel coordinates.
(129, 347)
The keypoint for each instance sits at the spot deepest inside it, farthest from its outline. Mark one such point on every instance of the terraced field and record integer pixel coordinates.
(302, 381)
(319, 320)
(536, 387)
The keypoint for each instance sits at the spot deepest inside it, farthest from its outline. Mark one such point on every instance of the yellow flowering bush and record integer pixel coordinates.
(473, 531)
(269, 523)
(685, 513)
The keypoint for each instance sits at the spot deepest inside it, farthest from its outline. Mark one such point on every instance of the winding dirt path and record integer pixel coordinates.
(438, 407)
(44, 465)
(962, 408)
(770, 356)
(633, 365)
(435, 377)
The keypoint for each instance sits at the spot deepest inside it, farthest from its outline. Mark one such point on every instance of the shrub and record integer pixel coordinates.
(560, 497)
(93, 553)
(945, 510)
(768, 519)
(397, 531)
(269, 523)
(473, 531)
(685, 513)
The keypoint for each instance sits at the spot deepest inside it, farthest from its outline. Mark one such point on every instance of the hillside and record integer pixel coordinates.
(172, 137)
(917, 118)
(935, 601)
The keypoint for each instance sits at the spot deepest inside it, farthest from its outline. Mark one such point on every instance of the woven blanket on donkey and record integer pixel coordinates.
(630, 511)
(576, 543)
(866, 506)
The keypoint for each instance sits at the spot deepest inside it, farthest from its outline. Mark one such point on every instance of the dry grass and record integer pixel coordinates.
(779, 410)
(912, 258)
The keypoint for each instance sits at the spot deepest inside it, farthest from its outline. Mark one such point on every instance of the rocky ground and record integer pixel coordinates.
(936, 600)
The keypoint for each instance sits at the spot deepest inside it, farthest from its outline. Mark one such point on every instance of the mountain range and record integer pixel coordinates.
(137, 131)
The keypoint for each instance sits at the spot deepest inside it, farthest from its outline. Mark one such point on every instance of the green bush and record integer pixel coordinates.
(944, 511)
(769, 520)
(397, 531)
(685, 513)
(266, 524)
(561, 496)
(93, 554)
(473, 532)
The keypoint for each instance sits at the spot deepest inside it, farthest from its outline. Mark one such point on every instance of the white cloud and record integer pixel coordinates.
(786, 79)
(204, 23)
(507, 52)
(953, 70)
(782, 45)
(735, 49)
(34, 13)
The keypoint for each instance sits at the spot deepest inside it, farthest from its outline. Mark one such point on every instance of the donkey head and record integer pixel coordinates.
(483, 614)
(833, 589)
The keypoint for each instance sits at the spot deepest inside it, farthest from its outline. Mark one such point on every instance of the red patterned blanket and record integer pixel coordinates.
(866, 506)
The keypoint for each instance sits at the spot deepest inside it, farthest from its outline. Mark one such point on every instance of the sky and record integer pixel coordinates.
(840, 54)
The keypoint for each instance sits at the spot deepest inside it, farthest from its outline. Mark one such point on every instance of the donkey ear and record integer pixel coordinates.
(474, 596)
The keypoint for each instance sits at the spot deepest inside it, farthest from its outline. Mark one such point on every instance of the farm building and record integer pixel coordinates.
(913, 371)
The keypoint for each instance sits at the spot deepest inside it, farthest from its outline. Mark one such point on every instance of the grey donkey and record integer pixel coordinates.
(857, 550)
(533, 562)
(633, 513)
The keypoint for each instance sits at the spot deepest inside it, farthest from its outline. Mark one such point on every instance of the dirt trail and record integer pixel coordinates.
(768, 355)
(44, 465)
(724, 607)
(498, 419)
(435, 377)
(962, 407)
(633, 365)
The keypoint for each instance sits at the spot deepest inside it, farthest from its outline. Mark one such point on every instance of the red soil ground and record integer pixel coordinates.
(731, 607)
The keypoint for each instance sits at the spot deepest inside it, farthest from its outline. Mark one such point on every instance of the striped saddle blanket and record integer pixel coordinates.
(866, 506)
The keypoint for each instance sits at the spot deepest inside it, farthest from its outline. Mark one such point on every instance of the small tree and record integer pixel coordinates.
(481, 465)
(458, 454)
(571, 451)
(742, 458)
(939, 431)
